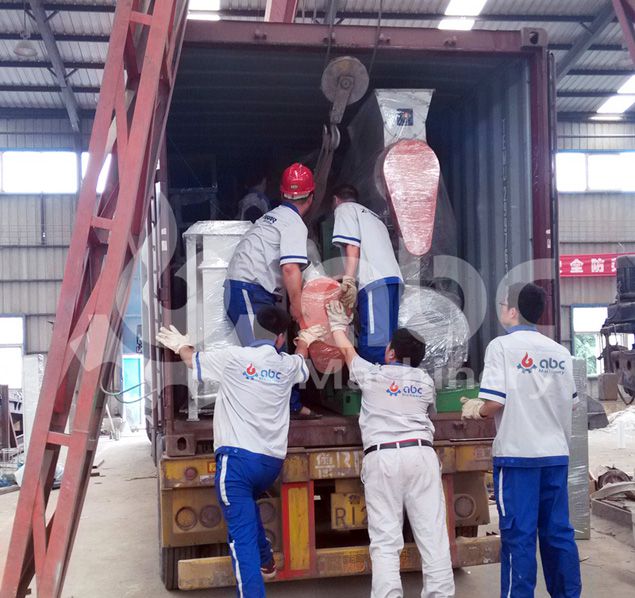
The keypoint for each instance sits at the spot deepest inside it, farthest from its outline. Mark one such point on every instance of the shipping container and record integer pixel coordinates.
(250, 91)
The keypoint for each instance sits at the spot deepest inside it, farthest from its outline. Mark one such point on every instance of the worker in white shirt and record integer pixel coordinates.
(251, 425)
(528, 386)
(255, 203)
(400, 470)
(370, 263)
(269, 261)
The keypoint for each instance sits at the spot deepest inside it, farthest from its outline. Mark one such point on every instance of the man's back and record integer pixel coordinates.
(532, 375)
(252, 408)
(276, 238)
(395, 402)
(360, 226)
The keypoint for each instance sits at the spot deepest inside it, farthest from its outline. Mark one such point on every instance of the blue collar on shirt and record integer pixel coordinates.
(403, 365)
(528, 327)
(288, 204)
(263, 343)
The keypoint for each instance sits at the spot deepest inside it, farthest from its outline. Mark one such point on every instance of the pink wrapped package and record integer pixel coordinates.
(411, 174)
(316, 294)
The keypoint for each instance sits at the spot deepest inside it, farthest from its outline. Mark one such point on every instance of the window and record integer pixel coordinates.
(11, 343)
(571, 171)
(39, 172)
(45, 172)
(578, 172)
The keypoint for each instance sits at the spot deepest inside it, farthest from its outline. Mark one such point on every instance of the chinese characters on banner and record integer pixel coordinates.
(601, 264)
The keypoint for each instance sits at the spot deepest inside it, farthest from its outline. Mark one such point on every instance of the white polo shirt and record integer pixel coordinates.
(532, 376)
(252, 407)
(361, 227)
(278, 237)
(395, 402)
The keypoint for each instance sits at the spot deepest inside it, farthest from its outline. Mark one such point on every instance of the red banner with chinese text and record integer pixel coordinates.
(599, 264)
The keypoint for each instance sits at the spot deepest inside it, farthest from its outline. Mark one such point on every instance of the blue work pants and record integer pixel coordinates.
(533, 501)
(241, 477)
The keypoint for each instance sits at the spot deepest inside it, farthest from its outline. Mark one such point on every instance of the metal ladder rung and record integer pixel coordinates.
(103, 223)
(141, 18)
(59, 438)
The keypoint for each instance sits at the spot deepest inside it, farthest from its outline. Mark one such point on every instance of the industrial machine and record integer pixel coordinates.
(620, 360)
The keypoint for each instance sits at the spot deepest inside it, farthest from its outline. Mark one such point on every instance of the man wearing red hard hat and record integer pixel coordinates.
(269, 261)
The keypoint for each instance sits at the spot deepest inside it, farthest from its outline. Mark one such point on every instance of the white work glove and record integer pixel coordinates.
(173, 339)
(348, 292)
(310, 335)
(338, 318)
(471, 408)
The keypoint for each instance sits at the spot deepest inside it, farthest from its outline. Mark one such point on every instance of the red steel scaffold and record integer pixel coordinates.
(129, 125)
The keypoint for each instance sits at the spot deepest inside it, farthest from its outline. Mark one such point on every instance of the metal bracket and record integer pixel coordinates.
(344, 82)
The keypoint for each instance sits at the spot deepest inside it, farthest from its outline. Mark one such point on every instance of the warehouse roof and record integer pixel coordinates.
(81, 29)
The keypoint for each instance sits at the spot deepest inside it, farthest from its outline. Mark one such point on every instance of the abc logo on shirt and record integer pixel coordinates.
(545, 366)
(264, 375)
(409, 390)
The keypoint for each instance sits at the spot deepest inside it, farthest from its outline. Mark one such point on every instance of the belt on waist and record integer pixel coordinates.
(399, 444)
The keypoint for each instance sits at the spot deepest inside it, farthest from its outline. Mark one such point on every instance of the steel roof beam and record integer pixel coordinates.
(59, 7)
(599, 24)
(591, 72)
(596, 93)
(43, 64)
(322, 15)
(6, 87)
(593, 47)
(59, 70)
(60, 37)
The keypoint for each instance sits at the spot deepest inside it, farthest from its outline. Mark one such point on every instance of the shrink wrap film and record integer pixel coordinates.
(438, 320)
(579, 502)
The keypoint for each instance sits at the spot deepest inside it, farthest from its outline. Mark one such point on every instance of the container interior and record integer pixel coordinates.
(239, 109)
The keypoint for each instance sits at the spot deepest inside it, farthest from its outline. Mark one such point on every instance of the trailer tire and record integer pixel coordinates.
(170, 558)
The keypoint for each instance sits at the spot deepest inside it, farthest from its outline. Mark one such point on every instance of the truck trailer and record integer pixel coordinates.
(229, 92)
(251, 90)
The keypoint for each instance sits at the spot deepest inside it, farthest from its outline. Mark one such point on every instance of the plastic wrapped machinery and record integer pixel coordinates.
(209, 246)
(440, 322)
(388, 136)
(579, 507)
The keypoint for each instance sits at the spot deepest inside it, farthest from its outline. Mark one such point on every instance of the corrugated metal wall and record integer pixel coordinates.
(594, 222)
(596, 136)
(34, 234)
(35, 231)
(597, 217)
(492, 193)
(40, 133)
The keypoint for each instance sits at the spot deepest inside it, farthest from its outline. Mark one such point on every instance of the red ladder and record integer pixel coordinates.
(129, 123)
(625, 11)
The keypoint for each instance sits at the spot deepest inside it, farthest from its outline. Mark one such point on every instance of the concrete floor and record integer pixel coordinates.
(116, 552)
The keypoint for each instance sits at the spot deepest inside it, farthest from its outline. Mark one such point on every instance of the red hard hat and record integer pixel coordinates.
(297, 182)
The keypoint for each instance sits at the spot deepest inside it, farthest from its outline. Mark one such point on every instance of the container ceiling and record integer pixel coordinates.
(227, 98)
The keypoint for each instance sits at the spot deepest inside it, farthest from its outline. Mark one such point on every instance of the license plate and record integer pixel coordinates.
(348, 511)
